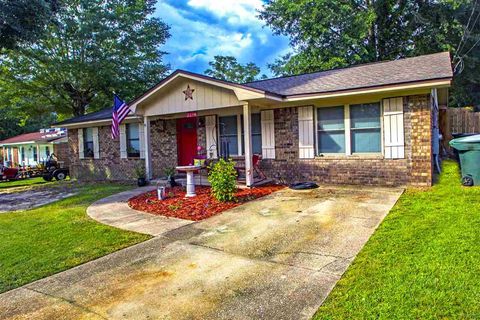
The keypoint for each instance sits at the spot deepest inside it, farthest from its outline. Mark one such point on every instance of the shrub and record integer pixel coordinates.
(223, 178)
(140, 171)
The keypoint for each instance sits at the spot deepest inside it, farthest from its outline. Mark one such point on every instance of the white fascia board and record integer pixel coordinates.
(96, 123)
(21, 143)
(412, 86)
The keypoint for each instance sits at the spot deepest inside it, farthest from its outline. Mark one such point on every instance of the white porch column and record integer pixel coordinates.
(148, 153)
(247, 124)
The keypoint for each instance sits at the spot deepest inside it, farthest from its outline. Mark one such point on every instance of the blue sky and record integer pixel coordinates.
(202, 29)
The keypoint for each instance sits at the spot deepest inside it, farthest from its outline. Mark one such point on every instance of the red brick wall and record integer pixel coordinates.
(111, 167)
(164, 145)
(415, 169)
(62, 150)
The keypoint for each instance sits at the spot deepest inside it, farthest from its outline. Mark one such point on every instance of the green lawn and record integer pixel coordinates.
(21, 183)
(422, 263)
(43, 241)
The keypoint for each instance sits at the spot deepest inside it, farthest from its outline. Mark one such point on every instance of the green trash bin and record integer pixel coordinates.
(469, 153)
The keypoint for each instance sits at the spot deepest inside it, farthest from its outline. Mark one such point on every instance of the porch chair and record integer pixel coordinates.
(256, 159)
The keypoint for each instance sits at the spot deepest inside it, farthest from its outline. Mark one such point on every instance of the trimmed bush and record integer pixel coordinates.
(223, 179)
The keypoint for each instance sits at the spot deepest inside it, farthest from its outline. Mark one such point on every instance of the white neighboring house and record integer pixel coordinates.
(30, 149)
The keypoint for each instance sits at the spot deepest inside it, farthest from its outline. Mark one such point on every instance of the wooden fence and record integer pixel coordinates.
(463, 120)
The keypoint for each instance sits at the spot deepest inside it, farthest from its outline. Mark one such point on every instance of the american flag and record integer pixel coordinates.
(120, 112)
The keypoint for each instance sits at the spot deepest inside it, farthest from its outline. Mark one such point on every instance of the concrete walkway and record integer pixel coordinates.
(114, 211)
(274, 258)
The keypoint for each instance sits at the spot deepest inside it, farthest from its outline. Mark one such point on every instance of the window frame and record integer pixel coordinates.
(237, 135)
(240, 133)
(380, 110)
(22, 154)
(128, 139)
(35, 153)
(86, 143)
(316, 136)
(348, 135)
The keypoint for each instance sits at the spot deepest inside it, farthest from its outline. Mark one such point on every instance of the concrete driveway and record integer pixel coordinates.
(274, 258)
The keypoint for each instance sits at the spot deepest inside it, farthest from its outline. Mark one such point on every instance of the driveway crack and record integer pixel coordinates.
(73, 303)
(256, 259)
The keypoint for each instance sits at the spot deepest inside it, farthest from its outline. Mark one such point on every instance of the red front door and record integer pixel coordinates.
(186, 140)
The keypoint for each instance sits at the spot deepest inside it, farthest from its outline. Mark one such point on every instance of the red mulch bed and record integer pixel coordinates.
(202, 206)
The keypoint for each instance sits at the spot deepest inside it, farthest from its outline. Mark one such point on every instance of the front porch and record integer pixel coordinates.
(203, 137)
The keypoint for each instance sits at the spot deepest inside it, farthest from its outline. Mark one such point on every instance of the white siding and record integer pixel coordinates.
(205, 96)
(81, 154)
(123, 142)
(141, 136)
(210, 127)
(305, 133)
(268, 134)
(394, 141)
(96, 145)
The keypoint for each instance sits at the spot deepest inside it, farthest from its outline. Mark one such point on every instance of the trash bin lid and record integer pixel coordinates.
(466, 143)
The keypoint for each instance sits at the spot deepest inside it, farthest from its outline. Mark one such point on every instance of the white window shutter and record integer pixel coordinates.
(81, 153)
(141, 136)
(393, 128)
(305, 133)
(123, 142)
(96, 146)
(268, 134)
(211, 132)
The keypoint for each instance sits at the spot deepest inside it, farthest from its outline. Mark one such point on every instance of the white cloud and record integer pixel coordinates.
(236, 12)
(233, 30)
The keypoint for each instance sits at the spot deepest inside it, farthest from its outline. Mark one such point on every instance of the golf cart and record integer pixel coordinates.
(7, 174)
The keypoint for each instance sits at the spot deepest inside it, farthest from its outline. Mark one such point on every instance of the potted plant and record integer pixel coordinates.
(170, 173)
(141, 176)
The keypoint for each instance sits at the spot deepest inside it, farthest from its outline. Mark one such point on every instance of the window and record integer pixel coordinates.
(365, 128)
(22, 154)
(228, 134)
(35, 154)
(256, 134)
(331, 130)
(47, 151)
(88, 142)
(133, 140)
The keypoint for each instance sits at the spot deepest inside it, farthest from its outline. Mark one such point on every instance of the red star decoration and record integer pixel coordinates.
(188, 93)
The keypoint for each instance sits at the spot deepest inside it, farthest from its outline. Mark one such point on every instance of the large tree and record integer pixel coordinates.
(93, 49)
(229, 69)
(23, 21)
(326, 34)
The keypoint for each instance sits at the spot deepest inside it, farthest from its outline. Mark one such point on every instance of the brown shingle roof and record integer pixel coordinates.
(26, 137)
(421, 68)
(33, 136)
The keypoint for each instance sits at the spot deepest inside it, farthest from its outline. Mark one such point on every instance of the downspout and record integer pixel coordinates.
(435, 131)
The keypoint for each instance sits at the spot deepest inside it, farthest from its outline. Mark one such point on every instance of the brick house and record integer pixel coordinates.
(374, 124)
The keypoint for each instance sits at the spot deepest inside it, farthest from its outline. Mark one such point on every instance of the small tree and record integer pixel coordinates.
(223, 179)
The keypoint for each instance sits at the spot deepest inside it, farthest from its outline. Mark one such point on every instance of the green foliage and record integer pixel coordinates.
(422, 262)
(43, 241)
(23, 21)
(93, 49)
(227, 68)
(169, 171)
(223, 179)
(326, 34)
(140, 171)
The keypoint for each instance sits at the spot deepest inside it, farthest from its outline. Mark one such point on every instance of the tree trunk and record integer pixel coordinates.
(80, 98)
